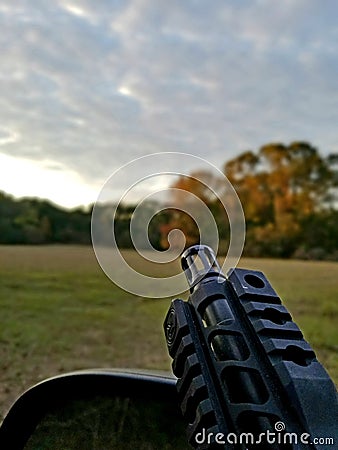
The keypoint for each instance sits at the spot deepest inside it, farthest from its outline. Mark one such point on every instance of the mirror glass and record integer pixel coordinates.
(111, 423)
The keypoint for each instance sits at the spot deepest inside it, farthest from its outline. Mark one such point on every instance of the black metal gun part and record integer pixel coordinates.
(242, 364)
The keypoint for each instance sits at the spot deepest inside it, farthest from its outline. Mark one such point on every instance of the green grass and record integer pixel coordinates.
(59, 312)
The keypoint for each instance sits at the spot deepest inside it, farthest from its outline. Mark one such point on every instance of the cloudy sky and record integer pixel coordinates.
(87, 86)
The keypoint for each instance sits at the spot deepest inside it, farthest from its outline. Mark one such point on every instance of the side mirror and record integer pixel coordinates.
(100, 409)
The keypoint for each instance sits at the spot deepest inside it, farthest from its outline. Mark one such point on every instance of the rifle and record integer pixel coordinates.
(247, 378)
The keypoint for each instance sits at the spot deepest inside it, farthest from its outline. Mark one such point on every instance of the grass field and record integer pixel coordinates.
(59, 312)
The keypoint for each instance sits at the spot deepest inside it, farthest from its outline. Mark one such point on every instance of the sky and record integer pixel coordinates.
(86, 87)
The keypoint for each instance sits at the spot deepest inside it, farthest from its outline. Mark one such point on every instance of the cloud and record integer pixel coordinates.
(91, 85)
(7, 137)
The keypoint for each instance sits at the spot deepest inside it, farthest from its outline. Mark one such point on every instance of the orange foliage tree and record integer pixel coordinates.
(280, 187)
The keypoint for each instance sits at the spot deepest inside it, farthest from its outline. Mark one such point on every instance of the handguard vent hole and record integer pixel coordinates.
(275, 316)
(298, 355)
(254, 281)
(245, 385)
(229, 347)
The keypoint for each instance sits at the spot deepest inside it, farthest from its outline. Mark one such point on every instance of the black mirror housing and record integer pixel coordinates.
(147, 401)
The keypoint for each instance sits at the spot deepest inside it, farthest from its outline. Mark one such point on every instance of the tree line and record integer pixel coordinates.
(288, 193)
(33, 221)
(289, 197)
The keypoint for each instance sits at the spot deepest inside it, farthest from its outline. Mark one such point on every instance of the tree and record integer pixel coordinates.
(197, 210)
(32, 221)
(280, 187)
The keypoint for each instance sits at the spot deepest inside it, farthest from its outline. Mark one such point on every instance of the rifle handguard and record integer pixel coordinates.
(242, 364)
